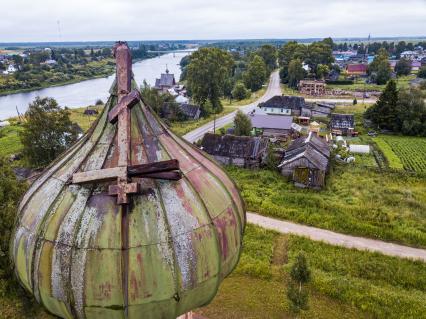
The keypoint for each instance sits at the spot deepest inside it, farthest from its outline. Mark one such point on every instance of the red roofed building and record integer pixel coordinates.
(357, 69)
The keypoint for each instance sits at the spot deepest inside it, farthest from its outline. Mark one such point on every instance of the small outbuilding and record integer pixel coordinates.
(314, 127)
(342, 123)
(359, 149)
(242, 151)
(306, 161)
(191, 111)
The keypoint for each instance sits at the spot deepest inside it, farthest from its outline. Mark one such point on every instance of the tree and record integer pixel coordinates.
(240, 91)
(411, 113)
(319, 53)
(403, 67)
(296, 72)
(322, 71)
(10, 193)
(380, 69)
(383, 114)
(300, 275)
(242, 124)
(269, 55)
(290, 51)
(422, 72)
(48, 131)
(207, 72)
(256, 73)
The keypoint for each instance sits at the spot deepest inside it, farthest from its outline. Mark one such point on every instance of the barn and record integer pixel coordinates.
(306, 161)
(242, 151)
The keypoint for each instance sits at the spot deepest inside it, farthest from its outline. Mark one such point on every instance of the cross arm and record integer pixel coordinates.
(128, 101)
(105, 174)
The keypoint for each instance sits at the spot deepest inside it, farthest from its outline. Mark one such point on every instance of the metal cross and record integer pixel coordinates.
(120, 114)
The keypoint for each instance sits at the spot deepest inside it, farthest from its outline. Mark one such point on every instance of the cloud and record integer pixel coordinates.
(24, 20)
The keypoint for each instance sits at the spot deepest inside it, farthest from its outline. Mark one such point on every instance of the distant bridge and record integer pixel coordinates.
(171, 51)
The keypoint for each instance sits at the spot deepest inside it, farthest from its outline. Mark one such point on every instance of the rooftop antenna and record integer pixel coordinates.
(366, 48)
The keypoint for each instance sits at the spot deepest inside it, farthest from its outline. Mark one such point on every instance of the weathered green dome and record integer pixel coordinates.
(83, 255)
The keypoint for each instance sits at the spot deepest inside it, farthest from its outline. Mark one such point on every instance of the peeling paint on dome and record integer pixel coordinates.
(165, 253)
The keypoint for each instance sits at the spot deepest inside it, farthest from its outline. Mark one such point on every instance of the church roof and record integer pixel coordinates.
(86, 250)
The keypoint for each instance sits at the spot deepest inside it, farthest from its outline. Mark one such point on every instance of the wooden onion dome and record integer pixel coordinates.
(130, 222)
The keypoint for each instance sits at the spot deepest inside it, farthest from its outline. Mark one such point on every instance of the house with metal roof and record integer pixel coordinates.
(357, 69)
(306, 161)
(283, 105)
(271, 125)
(242, 151)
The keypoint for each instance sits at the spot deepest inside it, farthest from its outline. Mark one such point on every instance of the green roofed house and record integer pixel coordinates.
(130, 222)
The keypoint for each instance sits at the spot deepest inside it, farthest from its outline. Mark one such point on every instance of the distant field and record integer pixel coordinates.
(404, 152)
(402, 82)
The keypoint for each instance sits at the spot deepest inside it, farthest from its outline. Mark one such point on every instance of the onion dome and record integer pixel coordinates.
(131, 221)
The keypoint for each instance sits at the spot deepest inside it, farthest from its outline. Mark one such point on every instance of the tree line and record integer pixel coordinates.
(298, 61)
(401, 111)
(211, 73)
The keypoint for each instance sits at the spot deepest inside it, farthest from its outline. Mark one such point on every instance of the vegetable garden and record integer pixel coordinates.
(405, 151)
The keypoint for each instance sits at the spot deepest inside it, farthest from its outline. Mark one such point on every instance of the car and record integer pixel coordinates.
(372, 133)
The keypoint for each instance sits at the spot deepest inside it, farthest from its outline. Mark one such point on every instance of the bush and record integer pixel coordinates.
(240, 91)
(48, 131)
(99, 102)
(422, 72)
(10, 193)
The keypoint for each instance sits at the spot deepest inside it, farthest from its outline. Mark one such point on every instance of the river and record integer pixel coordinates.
(88, 92)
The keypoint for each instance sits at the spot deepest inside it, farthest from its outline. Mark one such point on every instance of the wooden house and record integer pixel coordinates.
(242, 151)
(342, 124)
(306, 161)
(283, 105)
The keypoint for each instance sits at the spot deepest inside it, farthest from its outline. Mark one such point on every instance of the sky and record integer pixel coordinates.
(101, 20)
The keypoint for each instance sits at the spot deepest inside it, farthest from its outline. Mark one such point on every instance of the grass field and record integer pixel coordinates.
(356, 200)
(346, 283)
(404, 152)
(9, 140)
(9, 136)
(402, 82)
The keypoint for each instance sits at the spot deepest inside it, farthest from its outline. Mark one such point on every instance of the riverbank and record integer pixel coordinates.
(108, 69)
(45, 86)
(86, 90)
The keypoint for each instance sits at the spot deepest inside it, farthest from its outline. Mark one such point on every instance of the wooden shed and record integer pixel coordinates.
(242, 151)
(306, 161)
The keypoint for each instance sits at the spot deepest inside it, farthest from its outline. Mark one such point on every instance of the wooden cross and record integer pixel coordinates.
(121, 113)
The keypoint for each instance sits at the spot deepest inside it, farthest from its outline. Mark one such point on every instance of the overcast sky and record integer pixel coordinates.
(87, 20)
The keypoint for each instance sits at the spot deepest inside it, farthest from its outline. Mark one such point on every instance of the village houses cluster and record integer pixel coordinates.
(296, 133)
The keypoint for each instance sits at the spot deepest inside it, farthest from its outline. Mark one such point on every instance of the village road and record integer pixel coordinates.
(272, 90)
(313, 233)
(336, 239)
